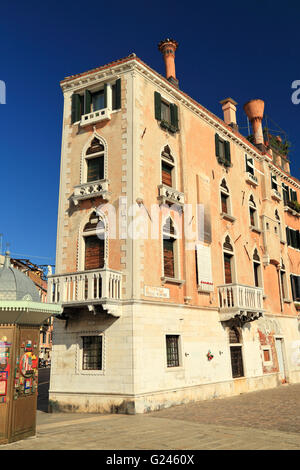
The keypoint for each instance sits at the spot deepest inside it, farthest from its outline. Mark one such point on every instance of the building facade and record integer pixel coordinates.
(178, 248)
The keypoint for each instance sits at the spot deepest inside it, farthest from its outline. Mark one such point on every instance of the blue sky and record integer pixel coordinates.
(244, 50)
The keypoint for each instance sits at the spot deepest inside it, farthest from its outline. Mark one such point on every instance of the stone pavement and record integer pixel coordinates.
(264, 420)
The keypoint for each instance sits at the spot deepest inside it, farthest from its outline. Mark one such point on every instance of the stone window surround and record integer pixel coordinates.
(79, 353)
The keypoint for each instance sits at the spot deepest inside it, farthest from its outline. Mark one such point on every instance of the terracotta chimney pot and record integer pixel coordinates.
(254, 109)
(168, 47)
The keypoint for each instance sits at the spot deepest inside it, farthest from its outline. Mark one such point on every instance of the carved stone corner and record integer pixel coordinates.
(113, 309)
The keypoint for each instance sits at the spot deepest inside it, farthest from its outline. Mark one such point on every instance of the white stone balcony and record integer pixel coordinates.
(168, 194)
(251, 179)
(89, 190)
(276, 195)
(88, 288)
(240, 300)
(95, 116)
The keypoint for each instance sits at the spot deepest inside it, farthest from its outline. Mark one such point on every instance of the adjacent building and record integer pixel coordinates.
(36, 274)
(178, 247)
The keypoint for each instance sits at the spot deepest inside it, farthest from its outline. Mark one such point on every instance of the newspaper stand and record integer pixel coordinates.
(20, 323)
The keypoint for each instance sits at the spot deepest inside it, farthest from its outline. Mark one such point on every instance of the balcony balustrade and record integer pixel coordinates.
(89, 190)
(85, 287)
(238, 298)
(95, 116)
(167, 194)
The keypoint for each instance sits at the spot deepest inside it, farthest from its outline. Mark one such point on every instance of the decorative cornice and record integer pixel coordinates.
(132, 63)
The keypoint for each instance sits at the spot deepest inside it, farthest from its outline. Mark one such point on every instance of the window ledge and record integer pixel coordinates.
(168, 127)
(228, 217)
(205, 288)
(172, 280)
(174, 369)
(287, 301)
(255, 229)
(296, 303)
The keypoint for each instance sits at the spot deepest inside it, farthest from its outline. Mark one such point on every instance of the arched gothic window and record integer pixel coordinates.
(94, 161)
(94, 243)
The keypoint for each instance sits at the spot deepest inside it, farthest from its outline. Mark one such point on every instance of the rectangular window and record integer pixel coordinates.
(98, 100)
(222, 149)
(172, 344)
(227, 267)
(236, 361)
(274, 183)
(224, 203)
(252, 217)
(95, 169)
(165, 112)
(94, 253)
(256, 274)
(249, 165)
(166, 174)
(283, 283)
(169, 265)
(267, 355)
(285, 193)
(92, 352)
(295, 283)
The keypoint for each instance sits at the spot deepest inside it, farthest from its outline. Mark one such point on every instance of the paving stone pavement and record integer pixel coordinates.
(264, 420)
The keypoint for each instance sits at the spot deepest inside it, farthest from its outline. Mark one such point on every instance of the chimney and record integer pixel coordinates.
(229, 110)
(254, 110)
(168, 47)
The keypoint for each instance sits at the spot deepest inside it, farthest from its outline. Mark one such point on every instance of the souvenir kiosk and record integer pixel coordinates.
(21, 315)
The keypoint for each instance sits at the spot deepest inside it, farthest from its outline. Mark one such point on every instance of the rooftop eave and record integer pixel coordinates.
(79, 81)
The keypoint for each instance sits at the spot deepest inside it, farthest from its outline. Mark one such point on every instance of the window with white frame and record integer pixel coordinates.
(267, 355)
(170, 249)
(283, 281)
(274, 184)
(228, 257)
(168, 176)
(225, 198)
(94, 161)
(253, 213)
(257, 269)
(107, 95)
(249, 163)
(94, 243)
(236, 355)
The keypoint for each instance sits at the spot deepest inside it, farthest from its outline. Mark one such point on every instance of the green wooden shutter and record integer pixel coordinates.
(227, 152)
(118, 94)
(217, 145)
(174, 115)
(157, 105)
(76, 107)
(87, 101)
